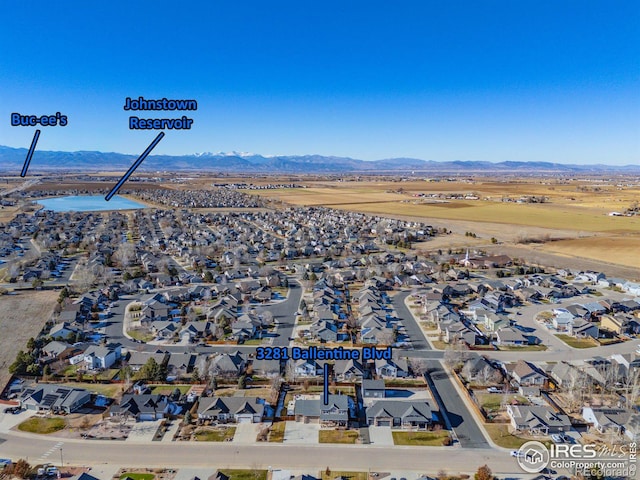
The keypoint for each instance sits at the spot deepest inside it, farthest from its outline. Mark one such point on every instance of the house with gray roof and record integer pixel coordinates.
(48, 397)
(393, 368)
(335, 413)
(231, 409)
(583, 329)
(537, 420)
(102, 356)
(145, 407)
(398, 413)
(56, 350)
(373, 389)
(510, 336)
(230, 364)
(606, 420)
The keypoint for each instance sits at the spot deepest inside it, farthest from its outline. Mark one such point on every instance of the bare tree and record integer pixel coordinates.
(418, 366)
(125, 254)
(290, 371)
(632, 387)
(84, 278)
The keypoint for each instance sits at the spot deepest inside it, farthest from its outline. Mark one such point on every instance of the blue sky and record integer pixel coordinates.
(456, 80)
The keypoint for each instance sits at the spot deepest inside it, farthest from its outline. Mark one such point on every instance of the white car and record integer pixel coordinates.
(557, 438)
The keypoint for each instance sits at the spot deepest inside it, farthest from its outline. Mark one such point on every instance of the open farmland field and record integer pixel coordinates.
(574, 213)
(538, 215)
(21, 317)
(7, 213)
(568, 207)
(624, 250)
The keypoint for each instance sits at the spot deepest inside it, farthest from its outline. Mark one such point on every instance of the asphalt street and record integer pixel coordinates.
(223, 455)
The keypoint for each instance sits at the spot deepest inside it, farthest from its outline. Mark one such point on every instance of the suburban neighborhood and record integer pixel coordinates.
(161, 312)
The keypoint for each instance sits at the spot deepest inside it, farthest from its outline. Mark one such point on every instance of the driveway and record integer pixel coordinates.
(246, 432)
(301, 433)
(381, 436)
(143, 431)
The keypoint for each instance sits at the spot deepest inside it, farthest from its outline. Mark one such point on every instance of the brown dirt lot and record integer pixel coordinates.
(22, 316)
(620, 250)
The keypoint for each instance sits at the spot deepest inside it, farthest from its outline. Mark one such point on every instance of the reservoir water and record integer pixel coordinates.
(88, 203)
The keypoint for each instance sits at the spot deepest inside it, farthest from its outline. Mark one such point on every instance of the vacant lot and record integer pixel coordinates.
(215, 435)
(333, 474)
(276, 432)
(578, 342)
(22, 316)
(429, 439)
(338, 436)
(42, 425)
(253, 474)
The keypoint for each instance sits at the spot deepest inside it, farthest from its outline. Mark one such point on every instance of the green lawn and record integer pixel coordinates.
(578, 342)
(439, 344)
(106, 389)
(42, 425)
(524, 348)
(430, 439)
(338, 436)
(609, 341)
(499, 433)
(245, 474)
(138, 476)
(219, 435)
(276, 433)
(69, 370)
(490, 401)
(143, 335)
(343, 474)
(168, 389)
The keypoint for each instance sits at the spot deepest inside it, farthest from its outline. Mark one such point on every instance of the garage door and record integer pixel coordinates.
(244, 419)
(384, 423)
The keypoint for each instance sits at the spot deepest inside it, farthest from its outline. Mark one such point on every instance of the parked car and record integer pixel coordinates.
(557, 438)
(517, 453)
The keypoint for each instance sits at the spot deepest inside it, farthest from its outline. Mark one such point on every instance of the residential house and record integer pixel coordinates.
(229, 364)
(537, 420)
(56, 350)
(393, 368)
(348, 370)
(619, 324)
(606, 420)
(145, 407)
(180, 364)
(231, 409)
(510, 336)
(526, 373)
(49, 397)
(102, 357)
(373, 389)
(398, 413)
(63, 330)
(583, 329)
(335, 413)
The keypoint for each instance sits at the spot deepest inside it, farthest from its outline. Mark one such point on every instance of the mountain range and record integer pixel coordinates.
(12, 159)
